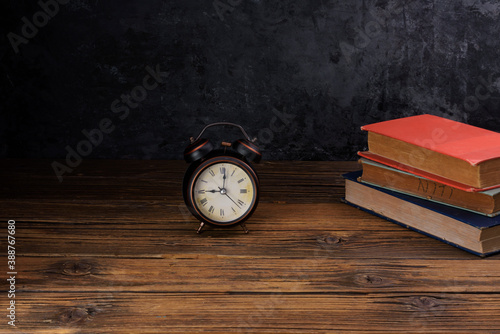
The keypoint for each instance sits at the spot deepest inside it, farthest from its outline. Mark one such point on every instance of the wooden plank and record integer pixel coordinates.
(285, 230)
(295, 181)
(206, 273)
(270, 216)
(263, 313)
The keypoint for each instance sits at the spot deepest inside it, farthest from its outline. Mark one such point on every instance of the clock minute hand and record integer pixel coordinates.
(224, 180)
(239, 207)
(223, 192)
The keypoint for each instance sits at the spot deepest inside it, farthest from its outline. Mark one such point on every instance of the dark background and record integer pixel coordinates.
(301, 76)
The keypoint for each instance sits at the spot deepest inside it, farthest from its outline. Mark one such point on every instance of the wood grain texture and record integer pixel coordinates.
(268, 313)
(113, 250)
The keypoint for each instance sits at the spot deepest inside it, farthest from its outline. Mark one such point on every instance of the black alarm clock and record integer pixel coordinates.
(220, 187)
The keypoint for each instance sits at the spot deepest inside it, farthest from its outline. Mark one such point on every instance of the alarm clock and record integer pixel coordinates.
(220, 187)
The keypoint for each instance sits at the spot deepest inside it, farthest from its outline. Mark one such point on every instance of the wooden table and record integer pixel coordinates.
(112, 249)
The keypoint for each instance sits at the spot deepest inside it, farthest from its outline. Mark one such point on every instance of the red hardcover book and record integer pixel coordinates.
(438, 148)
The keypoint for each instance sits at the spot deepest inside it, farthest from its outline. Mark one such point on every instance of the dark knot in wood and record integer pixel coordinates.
(330, 241)
(76, 268)
(368, 280)
(426, 303)
(76, 315)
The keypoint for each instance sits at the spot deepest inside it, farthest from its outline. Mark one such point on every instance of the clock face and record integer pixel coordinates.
(224, 192)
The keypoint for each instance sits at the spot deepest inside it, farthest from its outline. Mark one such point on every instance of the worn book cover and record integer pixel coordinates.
(475, 233)
(451, 150)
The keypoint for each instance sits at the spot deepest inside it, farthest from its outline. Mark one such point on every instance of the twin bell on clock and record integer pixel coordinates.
(220, 187)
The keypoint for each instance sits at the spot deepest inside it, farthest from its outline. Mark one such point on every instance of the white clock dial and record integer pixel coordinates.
(224, 192)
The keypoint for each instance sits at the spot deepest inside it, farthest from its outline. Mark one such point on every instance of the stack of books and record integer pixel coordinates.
(433, 175)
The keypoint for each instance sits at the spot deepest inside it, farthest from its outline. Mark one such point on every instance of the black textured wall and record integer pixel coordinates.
(302, 76)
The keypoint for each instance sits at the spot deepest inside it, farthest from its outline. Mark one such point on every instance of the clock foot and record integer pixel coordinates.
(244, 227)
(202, 225)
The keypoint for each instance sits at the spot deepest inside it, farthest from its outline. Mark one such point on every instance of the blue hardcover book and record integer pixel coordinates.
(470, 231)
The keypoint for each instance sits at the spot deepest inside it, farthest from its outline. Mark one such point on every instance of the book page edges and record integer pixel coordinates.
(469, 240)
